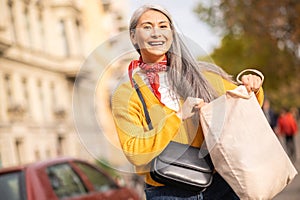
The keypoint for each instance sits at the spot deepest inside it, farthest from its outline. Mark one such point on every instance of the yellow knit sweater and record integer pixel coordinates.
(141, 145)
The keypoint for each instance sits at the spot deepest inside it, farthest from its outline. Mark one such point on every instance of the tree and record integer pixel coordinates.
(278, 19)
(260, 34)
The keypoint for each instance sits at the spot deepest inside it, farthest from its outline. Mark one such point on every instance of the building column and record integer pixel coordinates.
(61, 102)
(34, 100)
(17, 90)
(35, 32)
(48, 24)
(3, 15)
(8, 150)
(47, 101)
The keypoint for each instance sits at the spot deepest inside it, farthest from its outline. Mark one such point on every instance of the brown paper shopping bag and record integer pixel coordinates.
(244, 149)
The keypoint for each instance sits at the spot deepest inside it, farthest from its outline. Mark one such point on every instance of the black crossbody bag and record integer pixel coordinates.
(180, 165)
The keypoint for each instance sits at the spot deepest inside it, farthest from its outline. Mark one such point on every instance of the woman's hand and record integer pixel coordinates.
(189, 107)
(252, 82)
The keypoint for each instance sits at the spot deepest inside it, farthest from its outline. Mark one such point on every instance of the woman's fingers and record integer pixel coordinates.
(252, 82)
(200, 105)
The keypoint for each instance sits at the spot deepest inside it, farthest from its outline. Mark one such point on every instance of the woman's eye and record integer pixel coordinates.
(147, 27)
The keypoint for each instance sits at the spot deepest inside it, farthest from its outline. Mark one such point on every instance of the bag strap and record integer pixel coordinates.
(138, 91)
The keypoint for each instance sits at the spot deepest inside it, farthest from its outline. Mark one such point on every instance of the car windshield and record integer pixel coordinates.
(12, 186)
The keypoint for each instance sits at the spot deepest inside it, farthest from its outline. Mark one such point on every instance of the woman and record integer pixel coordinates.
(167, 75)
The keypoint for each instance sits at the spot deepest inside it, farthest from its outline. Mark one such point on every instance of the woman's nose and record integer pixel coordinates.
(156, 32)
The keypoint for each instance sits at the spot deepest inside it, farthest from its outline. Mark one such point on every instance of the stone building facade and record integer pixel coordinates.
(42, 46)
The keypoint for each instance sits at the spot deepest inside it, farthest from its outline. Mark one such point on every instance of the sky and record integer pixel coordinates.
(186, 20)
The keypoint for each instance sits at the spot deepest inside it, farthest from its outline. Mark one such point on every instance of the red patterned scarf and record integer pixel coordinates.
(151, 72)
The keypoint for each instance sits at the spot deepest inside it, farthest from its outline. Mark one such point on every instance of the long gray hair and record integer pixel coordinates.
(184, 73)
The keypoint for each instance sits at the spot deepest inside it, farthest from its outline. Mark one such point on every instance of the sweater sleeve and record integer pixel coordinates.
(139, 144)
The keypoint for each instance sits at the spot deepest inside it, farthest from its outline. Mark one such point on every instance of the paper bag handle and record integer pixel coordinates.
(249, 70)
(241, 92)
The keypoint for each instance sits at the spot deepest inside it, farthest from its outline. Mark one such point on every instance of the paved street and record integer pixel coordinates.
(292, 191)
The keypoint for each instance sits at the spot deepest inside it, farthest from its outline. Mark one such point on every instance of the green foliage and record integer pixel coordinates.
(105, 165)
(261, 35)
(238, 53)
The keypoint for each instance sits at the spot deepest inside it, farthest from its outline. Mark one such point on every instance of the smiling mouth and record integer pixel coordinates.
(158, 43)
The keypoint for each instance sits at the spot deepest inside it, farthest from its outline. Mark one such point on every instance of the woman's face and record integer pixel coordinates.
(153, 36)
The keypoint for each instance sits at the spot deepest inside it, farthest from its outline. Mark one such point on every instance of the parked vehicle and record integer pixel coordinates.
(61, 178)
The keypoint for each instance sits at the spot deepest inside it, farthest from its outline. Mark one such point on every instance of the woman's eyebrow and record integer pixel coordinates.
(146, 22)
(163, 22)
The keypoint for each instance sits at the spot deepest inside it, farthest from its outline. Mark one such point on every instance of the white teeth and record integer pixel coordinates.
(156, 43)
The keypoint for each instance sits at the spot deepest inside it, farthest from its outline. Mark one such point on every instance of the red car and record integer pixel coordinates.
(62, 178)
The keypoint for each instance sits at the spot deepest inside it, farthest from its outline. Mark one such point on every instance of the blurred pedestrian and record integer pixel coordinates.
(269, 113)
(295, 113)
(287, 127)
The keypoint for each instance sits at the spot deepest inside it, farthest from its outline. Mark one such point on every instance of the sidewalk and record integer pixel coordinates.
(292, 191)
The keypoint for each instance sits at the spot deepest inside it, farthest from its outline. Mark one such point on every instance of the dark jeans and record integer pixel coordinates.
(218, 190)
(290, 147)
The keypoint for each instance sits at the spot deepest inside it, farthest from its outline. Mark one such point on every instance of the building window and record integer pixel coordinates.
(8, 89)
(106, 4)
(60, 145)
(53, 98)
(12, 19)
(64, 38)
(41, 29)
(27, 27)
(26, 94)
(78, 31)
(41, 98)
(19, 150)
(15, 110)
(39, 6)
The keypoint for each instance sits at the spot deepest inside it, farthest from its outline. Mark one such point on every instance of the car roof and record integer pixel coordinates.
(39, 164)
(12, 169)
